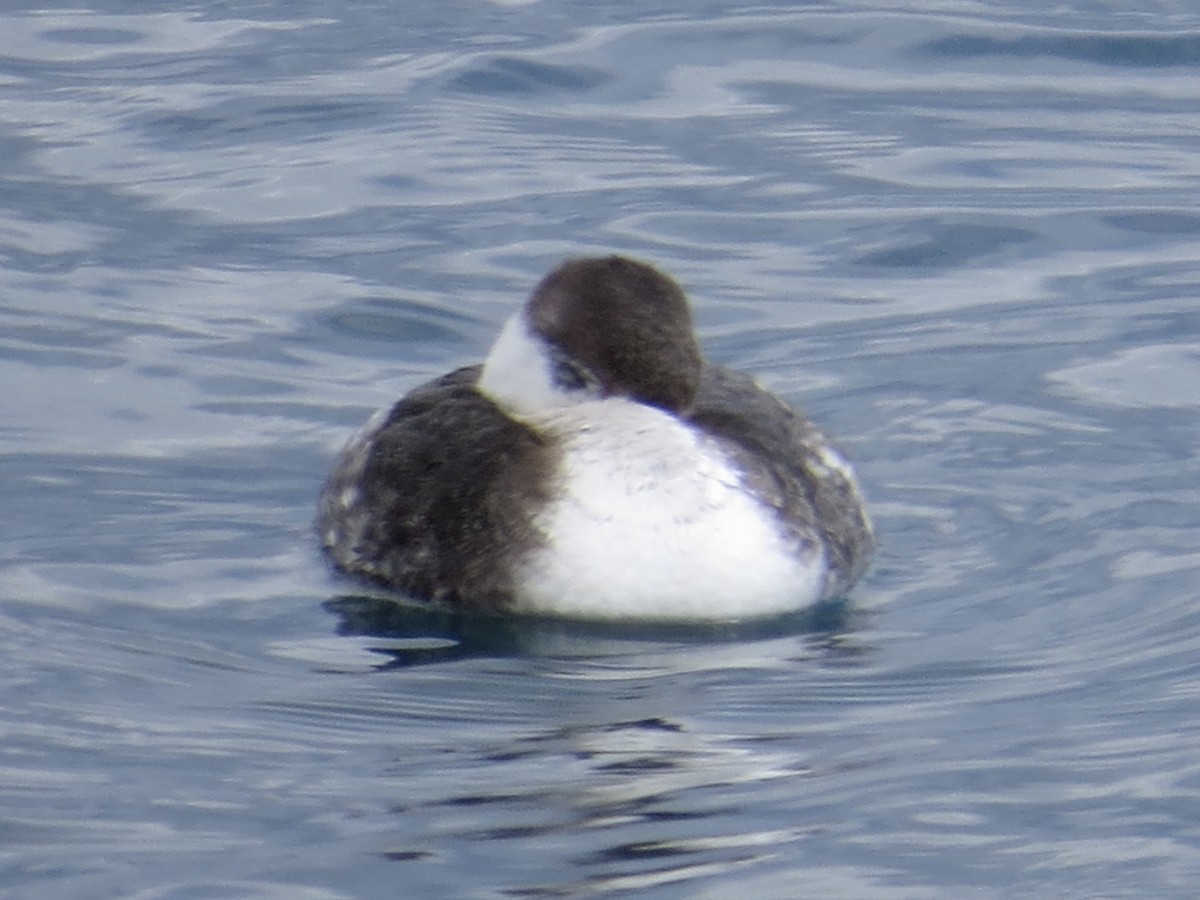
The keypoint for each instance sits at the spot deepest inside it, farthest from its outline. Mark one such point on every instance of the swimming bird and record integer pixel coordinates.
(596, 466)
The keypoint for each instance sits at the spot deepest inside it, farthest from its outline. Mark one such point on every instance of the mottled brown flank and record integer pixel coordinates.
(627, 323)
(444, 498)
(778, 452)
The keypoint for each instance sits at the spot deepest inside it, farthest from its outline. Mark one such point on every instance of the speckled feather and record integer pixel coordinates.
(437, 505)
(792, 467)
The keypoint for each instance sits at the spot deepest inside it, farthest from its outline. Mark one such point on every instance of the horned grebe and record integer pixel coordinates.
(595, 466)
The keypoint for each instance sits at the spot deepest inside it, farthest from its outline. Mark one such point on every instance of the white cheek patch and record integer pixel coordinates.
(516, 373)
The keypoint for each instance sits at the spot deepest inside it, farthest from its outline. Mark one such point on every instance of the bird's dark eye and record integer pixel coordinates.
(569, 375)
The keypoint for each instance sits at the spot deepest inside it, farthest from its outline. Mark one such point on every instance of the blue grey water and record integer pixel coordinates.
(965, 236)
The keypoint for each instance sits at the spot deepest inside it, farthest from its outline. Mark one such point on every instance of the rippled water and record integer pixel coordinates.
(964, 235)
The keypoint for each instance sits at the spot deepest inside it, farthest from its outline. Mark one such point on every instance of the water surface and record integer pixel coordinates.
(962, 235)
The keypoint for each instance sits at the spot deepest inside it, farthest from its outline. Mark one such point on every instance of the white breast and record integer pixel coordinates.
(651, 522)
